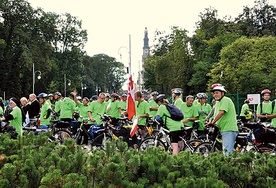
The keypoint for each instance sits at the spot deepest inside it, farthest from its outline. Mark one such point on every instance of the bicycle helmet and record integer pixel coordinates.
(265, 91)
(160, 97)
(204, 96)
(215, 85)
(219, 88)
(177, 92)
(246, 101)
(155, 93)
(94, 97)
(42, 95)
(124, 95)
(50, 95)
(115, 95)
(58, 93)
(199, 96)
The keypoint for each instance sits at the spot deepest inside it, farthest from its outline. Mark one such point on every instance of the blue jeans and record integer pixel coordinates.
(228, 141)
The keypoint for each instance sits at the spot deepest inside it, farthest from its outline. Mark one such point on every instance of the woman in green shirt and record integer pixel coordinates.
(175, 127)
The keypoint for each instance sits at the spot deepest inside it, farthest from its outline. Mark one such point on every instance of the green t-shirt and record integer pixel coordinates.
(1, 111)
(245, 108)
(273, 121)
(43, 113)
(170, 123)
(267, 108)
(123, 105)
(189, 112)
(97, 109)
(17, 120)
(228, 122)
(203, 111)
(142, 108)
(67, 106)
(83, 110)
(57, 105)
(178, 103)
(152, 103)
(114, 109)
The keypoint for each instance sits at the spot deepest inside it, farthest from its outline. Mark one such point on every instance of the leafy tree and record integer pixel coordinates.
(247, 65)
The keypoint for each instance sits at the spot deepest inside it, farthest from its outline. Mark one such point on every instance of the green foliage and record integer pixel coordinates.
(47, 165)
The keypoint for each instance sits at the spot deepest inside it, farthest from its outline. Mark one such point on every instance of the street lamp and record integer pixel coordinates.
(83, 86)
(38, 76)
(65, 84)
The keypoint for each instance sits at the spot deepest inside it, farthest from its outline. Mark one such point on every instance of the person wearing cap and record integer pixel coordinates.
(244, 111)
(203, 109)
(175, 127)
(15, 116)
(45, 112)
(67, 107)
(50, 100)
(58, 100)
(264, 109)
(177, 98)
(113, 109)
(34, 107)
(153, 105)
(225, 119)
(97, 108)
(83, 108)
(123, 105)
(107, 98)
(189, 111)
(93, 98)
(142, 112)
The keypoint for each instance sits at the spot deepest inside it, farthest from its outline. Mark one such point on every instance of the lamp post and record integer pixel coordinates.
(38, 77)
(65, 84)
(83, 86)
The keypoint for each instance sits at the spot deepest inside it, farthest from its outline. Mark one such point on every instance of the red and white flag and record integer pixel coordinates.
(134, 128)
(131, 111)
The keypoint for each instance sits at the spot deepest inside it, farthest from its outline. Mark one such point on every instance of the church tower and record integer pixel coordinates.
(146, 53)
(145, 47)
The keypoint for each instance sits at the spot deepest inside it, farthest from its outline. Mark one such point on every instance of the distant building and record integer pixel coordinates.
(146, 53)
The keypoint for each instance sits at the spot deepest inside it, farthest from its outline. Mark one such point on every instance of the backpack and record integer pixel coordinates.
(175, 113)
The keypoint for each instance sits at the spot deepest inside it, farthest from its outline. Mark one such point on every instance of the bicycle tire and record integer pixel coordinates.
(100, 141)
(79, 137)
(192, 145)
(151, 142)
(59, 136)
(204, 148)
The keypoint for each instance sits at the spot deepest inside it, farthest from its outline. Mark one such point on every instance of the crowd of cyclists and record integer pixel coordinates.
(221, 112)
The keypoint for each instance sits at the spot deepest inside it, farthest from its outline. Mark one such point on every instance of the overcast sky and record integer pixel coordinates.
(110, 22)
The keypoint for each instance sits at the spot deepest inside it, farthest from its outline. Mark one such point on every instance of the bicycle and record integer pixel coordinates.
(109, 132)
(60, 130)
(160, 138)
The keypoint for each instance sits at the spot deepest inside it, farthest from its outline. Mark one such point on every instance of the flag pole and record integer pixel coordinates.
(129, 47)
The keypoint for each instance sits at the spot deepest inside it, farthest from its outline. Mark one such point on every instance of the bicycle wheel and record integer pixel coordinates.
(59, 136)
(151, 142)
(191, 145)
(100, 141)
(79, 137)
(204, 149)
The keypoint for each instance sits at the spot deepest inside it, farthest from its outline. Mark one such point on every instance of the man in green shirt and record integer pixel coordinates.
(45, 111)
(97, 108)
(67, 107)
(265, 108)
(177, 98)
(244, 111)
(142, 112)
(114, 109)
(123, 105)
(153, 105)
(225, 118)
(15, 116)
(203, 109)
(189, 111)
(175, 127)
